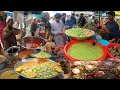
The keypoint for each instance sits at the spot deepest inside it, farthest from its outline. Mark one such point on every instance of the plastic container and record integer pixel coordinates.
(97, 37)
(89, 41)
(111, 45)
(103, 42)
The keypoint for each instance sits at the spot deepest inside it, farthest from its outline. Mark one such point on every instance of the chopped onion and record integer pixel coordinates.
(77, 63)
(75, 71)
(88, 67)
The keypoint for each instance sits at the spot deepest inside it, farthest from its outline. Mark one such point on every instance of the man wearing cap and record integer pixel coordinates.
(58, 30)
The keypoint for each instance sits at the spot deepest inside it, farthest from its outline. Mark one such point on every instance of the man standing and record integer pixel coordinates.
(33, 27)
(63, 18)
(82, 20)
(77, 18)
(9, 35)
(73, 20)
(116, 39)
(110, 29)
(58, 30)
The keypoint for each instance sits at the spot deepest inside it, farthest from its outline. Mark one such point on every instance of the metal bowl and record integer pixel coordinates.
(12, 53)
(42, 58)
(32, 38)
(8, 69)
(81, 38)
(29, 60)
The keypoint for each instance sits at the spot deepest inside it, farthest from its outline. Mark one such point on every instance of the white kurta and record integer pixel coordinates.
(60, 40)
(57, 27)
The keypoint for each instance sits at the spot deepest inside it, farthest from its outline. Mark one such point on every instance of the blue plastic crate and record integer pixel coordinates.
(103, 42)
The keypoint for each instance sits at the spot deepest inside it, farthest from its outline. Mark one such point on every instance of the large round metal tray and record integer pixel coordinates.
(81, 38)
(29, 60)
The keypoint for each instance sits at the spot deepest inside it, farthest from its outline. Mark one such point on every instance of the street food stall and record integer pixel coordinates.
(84, 57)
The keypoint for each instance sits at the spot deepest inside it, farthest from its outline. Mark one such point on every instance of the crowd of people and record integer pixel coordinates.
(53, 32)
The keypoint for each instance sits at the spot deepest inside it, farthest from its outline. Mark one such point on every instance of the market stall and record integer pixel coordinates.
(86, 56)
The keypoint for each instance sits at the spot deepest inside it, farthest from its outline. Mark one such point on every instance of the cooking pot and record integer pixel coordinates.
(29, 39)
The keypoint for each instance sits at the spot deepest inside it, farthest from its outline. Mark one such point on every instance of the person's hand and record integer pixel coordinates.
(46, 40)
(95, 28)
(104, 27)
(61, 32)
(42, 31)
(57, 48)
(67, 27)
(102, 32)
(16, 32)
(111, 41)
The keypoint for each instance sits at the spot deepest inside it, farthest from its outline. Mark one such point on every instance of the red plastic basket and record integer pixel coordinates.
(111, 45)
(90, 41)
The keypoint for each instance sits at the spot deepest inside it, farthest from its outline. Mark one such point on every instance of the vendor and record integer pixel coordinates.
(110, 29)
(116, 39)
(82, 21)
(9, 35)
(57, 30)
(33, 27)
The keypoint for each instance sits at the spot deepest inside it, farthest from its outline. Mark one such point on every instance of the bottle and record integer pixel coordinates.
(98, 37)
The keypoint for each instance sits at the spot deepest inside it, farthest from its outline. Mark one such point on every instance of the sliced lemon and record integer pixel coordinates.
(58, 69)
(57, 63)
(19, 69)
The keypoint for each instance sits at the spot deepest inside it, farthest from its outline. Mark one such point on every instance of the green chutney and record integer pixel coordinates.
(85, 51)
